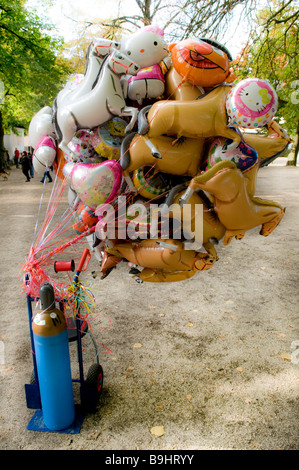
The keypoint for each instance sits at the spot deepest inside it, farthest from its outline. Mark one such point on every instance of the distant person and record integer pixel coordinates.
(25, 163)
(47, 175)
(31, 163)
(6, 154)
(16, 157)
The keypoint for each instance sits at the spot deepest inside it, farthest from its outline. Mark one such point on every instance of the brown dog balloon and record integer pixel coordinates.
(169, 260)
(201, 118)
(235, 207)
(187, 157)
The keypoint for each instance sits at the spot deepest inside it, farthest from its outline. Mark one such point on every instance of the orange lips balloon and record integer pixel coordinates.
(201, 63)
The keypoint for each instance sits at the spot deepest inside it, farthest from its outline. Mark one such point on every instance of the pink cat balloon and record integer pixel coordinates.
(96, 184)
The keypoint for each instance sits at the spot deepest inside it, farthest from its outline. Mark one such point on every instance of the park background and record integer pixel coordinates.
(209, 362)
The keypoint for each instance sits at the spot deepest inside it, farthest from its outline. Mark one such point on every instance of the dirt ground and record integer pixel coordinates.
(212, 359)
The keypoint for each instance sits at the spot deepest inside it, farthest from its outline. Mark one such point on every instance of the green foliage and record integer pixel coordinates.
(272, 53)
(31, 69)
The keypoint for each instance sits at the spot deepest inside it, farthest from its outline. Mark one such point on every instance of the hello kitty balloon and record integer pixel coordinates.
(251, 103)
(148, 49)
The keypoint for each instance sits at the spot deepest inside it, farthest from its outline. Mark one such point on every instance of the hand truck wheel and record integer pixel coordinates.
(92, 388)
(94, 378)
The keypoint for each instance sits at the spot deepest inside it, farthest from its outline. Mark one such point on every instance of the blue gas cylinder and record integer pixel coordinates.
(53, 362)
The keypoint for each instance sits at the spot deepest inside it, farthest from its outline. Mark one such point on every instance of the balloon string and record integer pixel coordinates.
(49, 212)
(116, 162)
(39, 210)
(42, 242)
(141, 136)
(54, 202)
(53, 247)
(61, 226)
(37, 218)
(63, 246)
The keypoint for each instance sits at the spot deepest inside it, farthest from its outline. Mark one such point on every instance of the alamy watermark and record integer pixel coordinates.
(151, 221)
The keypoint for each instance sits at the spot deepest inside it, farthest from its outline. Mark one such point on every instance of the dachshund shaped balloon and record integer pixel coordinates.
(237, 210)
(251, 103)
(204, 117)
(188, 157)
(181, 158)
(169, 260)
(269, 147)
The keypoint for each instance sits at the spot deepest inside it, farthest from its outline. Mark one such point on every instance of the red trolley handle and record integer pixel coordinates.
(84, 260)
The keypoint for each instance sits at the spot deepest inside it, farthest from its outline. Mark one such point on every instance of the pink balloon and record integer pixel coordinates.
(97, 184)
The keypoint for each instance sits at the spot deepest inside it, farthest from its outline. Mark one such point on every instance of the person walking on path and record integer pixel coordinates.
(47, 175)
(16, 157)
(25, 163)
(30, 156)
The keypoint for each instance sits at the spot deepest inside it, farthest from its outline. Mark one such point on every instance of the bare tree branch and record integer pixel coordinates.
(180, 18)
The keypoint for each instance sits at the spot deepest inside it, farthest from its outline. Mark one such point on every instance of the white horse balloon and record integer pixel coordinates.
(96, 53)
(101, 104)
(40, 126)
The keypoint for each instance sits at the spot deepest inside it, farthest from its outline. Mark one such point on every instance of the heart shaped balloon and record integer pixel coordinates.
(96, 184)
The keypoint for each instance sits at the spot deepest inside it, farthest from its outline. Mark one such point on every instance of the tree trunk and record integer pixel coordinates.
(3, 162)
(297, 144)
(293, 160)
(147, 18)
